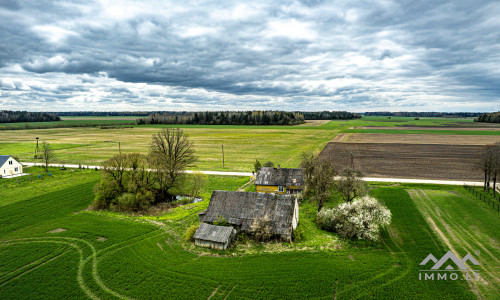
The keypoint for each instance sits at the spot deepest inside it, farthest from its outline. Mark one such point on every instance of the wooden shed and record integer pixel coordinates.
(243, 209)
(213, 236)
(279, 180)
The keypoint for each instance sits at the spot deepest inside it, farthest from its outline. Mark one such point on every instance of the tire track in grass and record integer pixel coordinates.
(430, 216)
(79, 276)
(81, 266)
(34, 265)
(456, 234)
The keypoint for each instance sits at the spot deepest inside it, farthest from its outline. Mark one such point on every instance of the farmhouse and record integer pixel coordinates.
(9, 166)
(213, 236)
(279, 180)
(244, 210)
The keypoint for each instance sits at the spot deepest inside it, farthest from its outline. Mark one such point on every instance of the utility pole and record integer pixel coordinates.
(223, 156)
(119, 148)
(37, 149)
(352, 161)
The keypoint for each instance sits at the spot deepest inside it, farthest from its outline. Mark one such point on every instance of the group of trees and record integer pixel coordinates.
(101, 113)
(359, 216)
(8, 116)
(424, 114)
(322, 180)
(489, 118)
(489, 163)
(135, 181)
(226, 118)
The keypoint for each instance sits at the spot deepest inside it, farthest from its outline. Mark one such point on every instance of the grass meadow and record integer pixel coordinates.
(52, 246)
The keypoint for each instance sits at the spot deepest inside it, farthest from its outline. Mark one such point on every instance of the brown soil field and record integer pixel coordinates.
(431, 128)
(396, 160)
(416, 139)
(314, 122)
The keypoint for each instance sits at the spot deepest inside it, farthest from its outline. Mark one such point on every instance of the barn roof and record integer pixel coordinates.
(3, 159)
(213, 233)
(279, 176)
(243, 208)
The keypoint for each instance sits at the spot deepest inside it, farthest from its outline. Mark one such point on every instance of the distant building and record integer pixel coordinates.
(279, 180)
(243, 209)
(215, 237)
(9, 166)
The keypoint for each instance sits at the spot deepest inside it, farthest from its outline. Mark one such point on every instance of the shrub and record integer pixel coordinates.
(190, 231)
(298, 233)
(360, 219)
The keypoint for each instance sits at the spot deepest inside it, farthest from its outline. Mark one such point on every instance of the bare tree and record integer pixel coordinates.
(319, 178)
(198, 180)
(351, 184)
(48, 155)
(170, 153)
(115, 168)
(486, 164)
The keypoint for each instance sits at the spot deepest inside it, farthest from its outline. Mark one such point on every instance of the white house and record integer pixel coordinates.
(9, 166)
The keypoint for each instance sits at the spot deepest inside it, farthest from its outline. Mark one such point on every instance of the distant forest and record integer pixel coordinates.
(225, 118)
(243, 117)
(8, 116)
(424, 114)
(489, 118)
(329, 115)
(102, 113)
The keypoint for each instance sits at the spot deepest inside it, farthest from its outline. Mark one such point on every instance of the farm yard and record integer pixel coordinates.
(48, 237)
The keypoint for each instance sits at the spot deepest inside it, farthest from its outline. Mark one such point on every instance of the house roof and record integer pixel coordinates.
(214, 233)
(243, 208)
(279, 176)
(3, 159)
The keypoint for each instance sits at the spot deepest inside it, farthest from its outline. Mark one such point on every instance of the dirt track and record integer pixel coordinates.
(424, 161)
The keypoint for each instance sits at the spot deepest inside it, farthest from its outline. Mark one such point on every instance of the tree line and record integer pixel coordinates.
(9, 116)
(329, 115)
(424, 114)
(489, 118)
(226, 118)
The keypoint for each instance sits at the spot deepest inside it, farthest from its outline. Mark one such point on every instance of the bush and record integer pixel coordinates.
(360, 219)
(189, 234)
(298, 233)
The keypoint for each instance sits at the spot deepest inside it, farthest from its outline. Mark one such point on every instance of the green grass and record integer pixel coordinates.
(433, 132)
(110, 255)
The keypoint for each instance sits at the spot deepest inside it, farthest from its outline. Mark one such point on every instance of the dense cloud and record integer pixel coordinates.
(289, 55)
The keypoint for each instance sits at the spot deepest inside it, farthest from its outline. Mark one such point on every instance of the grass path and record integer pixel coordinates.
(462, 228)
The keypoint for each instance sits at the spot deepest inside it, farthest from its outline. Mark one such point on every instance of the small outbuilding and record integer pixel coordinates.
(279, 180)
(244, 209)
(213, 236)
(9, 166)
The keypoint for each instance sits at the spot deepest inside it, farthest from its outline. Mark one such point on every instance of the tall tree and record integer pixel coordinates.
(319, 178)
(48, 155)
(351, 184)
(170, 153)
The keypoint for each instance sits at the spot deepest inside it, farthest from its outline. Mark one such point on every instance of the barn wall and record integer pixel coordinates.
(211, 244)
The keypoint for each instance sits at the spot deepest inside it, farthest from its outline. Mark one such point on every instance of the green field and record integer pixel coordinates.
(242, 144)
(52, 247)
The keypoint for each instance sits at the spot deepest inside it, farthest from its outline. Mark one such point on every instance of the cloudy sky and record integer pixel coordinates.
(234, 55)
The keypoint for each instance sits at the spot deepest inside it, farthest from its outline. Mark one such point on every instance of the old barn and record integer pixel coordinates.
(243, 209)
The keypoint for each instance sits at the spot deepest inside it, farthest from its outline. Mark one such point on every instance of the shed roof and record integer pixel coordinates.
(214, 233)
(3, 159)
(243, 208)
(279, 176)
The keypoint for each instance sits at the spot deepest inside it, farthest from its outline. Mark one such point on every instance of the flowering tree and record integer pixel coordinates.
(360, 219)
